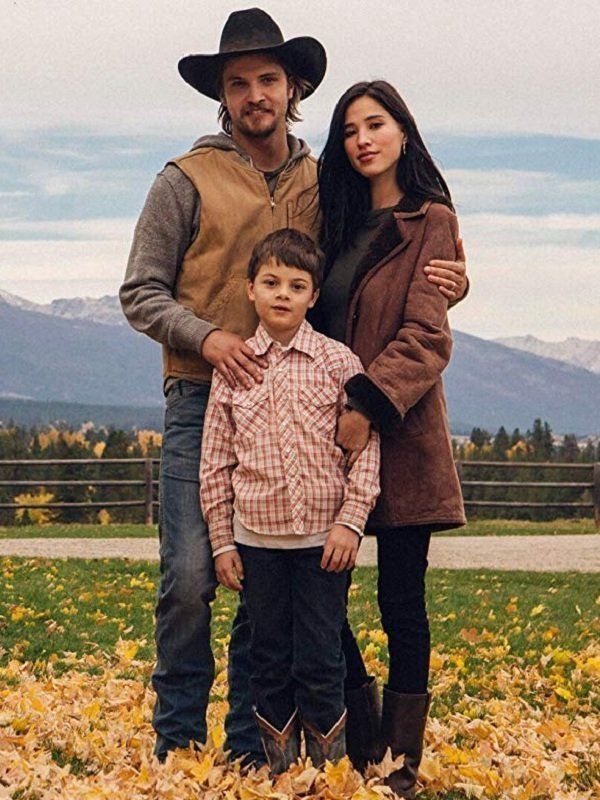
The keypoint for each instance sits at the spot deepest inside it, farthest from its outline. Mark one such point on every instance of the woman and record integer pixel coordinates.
(386, 212)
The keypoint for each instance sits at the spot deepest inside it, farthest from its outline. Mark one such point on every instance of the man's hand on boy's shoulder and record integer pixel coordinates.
(340, 549)
(230, 570)
(233, 358)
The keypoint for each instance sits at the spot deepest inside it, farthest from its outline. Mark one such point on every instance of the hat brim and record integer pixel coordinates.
(304, 56)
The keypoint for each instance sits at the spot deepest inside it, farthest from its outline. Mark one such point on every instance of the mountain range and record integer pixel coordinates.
(579, 352)
(81, 351)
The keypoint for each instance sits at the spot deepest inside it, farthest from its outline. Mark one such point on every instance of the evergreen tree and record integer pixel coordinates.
(501, 444)
(480, 437)
(540, 440)
(516, 436)
(588, 452)
(569, 449)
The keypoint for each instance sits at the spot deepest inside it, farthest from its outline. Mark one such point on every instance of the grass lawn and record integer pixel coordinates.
(515, 678)
(488, 527)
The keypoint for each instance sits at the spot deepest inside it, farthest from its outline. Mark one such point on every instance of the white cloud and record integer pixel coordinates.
(42, 270)
(500, 188)
(466, 65)
(101, 229)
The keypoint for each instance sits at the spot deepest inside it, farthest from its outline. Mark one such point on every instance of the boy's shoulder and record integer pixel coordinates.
(336, 355)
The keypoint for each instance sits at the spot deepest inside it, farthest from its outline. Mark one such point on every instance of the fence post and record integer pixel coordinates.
(459, 470)
(149, 491)
(596, 493)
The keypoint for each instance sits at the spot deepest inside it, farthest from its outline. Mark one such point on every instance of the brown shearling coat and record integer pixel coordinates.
(398, 326)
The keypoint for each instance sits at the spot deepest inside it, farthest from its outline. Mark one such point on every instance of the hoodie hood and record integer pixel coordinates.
(222, 141)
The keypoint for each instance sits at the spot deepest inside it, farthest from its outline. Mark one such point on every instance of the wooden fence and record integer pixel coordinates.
(147, 483)
(587, 488)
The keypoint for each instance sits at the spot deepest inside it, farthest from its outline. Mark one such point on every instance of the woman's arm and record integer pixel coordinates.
(413, 362)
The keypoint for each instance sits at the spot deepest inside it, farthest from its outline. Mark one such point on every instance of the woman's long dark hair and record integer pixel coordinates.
(344, 194)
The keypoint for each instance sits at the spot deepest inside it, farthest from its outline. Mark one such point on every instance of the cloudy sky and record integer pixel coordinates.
(505, 93)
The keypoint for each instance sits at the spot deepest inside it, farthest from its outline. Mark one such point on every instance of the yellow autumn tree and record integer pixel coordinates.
(35, 516)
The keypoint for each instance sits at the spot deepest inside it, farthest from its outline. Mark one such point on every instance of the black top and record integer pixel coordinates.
(335, 292)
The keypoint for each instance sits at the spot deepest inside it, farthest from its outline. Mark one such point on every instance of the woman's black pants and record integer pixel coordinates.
(402, 561)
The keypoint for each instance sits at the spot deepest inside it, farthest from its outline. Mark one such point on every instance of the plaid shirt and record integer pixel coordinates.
(270, 452)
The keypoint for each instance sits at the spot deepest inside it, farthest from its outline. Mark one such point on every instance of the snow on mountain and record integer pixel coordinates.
(579, 352)
(103, 310)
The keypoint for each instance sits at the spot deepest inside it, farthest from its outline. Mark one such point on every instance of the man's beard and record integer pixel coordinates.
(257, 133)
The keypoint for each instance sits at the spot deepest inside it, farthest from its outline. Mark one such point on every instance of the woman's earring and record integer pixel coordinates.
(404, 147)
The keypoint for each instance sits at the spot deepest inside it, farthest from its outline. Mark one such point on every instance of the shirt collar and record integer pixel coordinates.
(305, 341)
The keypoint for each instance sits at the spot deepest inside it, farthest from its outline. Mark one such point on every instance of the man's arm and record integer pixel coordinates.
(168, 224)
(166, 227)
(450, 276)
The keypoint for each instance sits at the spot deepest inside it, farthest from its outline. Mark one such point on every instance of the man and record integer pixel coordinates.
(185, 287)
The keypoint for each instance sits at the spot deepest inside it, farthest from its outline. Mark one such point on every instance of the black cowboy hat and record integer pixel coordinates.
(248, 32)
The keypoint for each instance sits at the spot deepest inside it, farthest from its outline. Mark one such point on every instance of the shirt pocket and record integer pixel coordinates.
(250, 411)
(318, 409)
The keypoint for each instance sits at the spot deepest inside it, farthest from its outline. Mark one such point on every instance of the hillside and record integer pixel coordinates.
(45, 357)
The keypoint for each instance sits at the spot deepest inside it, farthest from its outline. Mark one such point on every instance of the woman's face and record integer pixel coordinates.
(372, 138)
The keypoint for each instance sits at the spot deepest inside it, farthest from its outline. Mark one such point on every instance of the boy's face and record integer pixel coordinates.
(282, 295)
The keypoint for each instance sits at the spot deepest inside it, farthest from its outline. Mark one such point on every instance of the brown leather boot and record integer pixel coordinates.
(402, 728)
(330, 746)
(282, 748)
(363, 725)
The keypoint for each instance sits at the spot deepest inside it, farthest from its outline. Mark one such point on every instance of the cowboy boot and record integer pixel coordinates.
(363, 725)
(282, 748)
(402, 728)
(325, 747)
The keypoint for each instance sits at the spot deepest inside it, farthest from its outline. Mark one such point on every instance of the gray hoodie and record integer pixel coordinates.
(168, 224)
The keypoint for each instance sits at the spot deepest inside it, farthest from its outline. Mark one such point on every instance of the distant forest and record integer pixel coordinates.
(101, 443)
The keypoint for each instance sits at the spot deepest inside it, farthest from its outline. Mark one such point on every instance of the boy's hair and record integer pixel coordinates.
(290, 248)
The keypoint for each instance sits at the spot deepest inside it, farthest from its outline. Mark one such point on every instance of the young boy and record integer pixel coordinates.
(285, 511)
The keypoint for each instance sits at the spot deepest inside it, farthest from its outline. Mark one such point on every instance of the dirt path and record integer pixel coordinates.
(532, 553)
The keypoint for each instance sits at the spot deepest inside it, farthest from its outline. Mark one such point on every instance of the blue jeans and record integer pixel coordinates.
(184, 671)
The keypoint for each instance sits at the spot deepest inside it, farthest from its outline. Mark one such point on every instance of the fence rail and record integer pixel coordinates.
(148, 482)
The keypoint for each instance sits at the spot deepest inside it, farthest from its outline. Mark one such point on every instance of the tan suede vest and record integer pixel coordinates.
(236, 212)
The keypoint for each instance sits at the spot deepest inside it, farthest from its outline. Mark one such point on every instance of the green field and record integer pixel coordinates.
(488, 527)
(51, 607)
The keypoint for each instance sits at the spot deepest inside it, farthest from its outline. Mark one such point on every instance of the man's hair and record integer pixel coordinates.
(289, 248)
(300, 87)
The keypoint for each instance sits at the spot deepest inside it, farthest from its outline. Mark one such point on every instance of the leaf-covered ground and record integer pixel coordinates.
(515, 678)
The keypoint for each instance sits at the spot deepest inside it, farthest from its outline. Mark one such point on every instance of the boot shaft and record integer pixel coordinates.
(403, 723)
(282, 747)
(325, 747)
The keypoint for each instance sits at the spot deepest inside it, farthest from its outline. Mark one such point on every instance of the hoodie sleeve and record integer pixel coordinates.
(169, 222)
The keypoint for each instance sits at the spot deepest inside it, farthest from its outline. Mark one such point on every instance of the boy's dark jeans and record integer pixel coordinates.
(184, 670)
(296, 611)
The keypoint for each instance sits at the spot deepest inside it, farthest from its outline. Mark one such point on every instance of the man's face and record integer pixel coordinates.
(256, 92)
